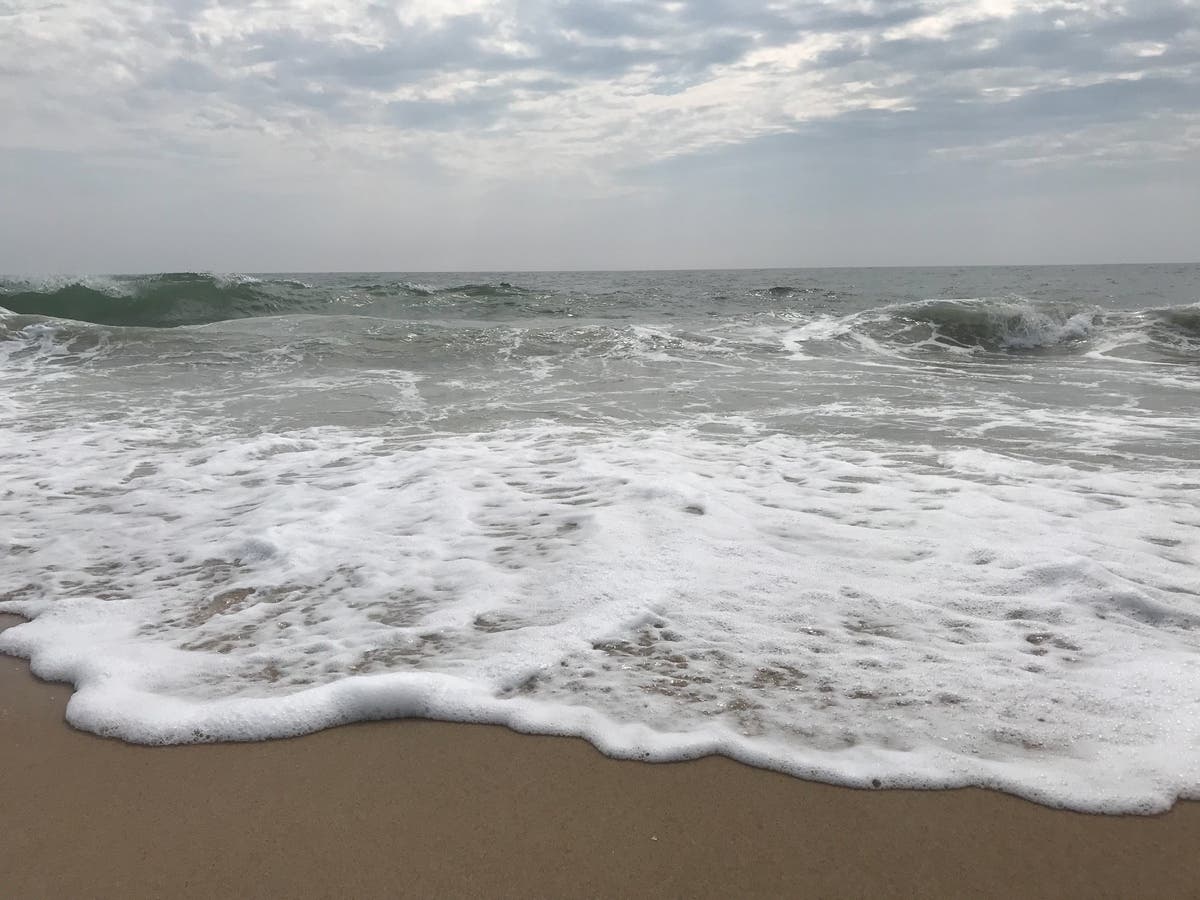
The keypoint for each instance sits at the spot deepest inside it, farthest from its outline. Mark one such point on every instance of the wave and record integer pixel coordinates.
(329, 340)
(1002, 325)
(783, 291)
(637, 587)
(402, 288)
(995, 324)
(482, 319)
(1179, 321)
(191, 298)
(1010, 327)
(154, 301)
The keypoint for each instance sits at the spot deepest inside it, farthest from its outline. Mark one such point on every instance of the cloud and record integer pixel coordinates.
(483, 83)
(595, 95)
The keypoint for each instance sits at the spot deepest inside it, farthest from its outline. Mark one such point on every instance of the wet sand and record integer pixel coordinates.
(417, 808)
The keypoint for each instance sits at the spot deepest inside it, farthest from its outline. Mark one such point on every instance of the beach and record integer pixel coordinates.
(644, 449)
(420, 808)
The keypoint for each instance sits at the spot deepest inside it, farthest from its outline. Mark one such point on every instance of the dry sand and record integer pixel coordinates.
(420, 808)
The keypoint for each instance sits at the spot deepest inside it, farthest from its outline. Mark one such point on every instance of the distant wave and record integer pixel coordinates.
(402, 288)
(191, 298)
(999, 324)
(1008, 325)
(185, 298)
(782, 290)
(1003, 325)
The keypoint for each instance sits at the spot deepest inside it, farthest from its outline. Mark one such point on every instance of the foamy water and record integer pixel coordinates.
(800, 519)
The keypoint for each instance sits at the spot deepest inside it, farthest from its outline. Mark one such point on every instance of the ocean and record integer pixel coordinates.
(876, 527)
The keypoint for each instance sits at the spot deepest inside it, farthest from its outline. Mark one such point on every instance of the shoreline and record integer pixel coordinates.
(430, 808)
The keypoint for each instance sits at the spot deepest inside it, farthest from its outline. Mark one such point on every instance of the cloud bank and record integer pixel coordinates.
(463, 108)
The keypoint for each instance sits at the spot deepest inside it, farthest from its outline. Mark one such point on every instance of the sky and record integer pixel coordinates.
(321, 135)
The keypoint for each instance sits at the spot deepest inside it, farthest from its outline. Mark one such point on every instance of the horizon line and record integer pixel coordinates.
(580, 271)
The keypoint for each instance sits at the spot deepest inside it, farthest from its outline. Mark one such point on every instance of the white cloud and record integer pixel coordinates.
(398, 103)
(484, 86)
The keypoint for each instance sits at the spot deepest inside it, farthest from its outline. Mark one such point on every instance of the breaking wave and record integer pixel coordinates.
(1002, 325)
(191, 298)
(999, 324)
(499, 317)
(153, 301)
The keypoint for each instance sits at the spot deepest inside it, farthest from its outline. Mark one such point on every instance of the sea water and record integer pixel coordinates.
(904, 527)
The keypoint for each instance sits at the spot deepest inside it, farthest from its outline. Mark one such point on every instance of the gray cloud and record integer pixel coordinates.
(478, 99)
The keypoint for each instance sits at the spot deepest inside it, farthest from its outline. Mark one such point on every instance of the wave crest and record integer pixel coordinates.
(155, 301)
(1177, 326)
(990, 324)
(191, 298)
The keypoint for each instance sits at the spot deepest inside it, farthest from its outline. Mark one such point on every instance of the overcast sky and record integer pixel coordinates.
(507, 134)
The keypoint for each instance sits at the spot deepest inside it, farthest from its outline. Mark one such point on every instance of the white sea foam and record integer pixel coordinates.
(935, 619)
(938, 543)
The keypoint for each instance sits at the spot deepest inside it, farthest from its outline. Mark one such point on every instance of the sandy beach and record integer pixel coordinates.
(419, 808)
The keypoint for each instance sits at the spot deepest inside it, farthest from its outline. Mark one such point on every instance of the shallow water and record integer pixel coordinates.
(914, 527)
